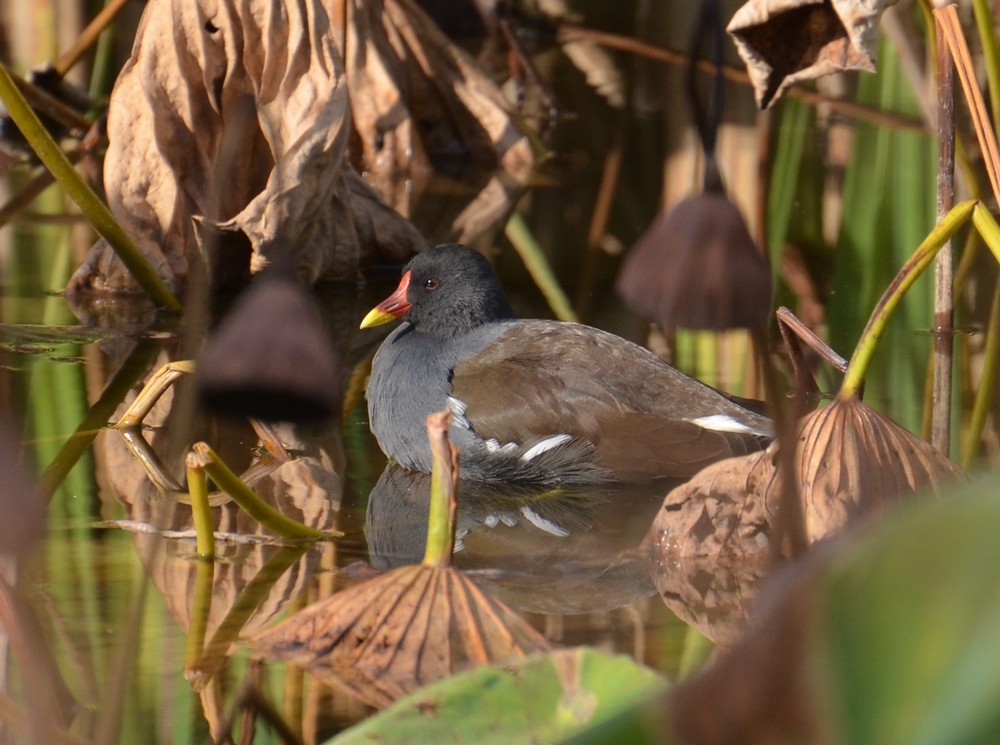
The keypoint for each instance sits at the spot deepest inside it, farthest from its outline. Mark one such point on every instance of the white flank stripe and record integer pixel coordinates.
(725, 423)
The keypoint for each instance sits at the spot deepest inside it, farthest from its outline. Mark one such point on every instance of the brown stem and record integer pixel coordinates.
(89, 37)
(944, 267)
(569, 31)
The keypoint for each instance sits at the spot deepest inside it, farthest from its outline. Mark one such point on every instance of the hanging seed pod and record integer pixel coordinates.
(851, 461)
(271, 358)
(697, 267)
(399, 631)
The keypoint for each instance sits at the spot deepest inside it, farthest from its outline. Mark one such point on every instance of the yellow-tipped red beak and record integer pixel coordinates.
(393, 307)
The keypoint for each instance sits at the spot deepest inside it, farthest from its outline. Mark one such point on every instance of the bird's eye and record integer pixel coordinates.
(432, 283)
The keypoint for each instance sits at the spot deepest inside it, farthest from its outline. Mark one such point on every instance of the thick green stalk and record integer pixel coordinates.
(201, 610)
(441, 517)
(531, 254)
(254, 594)
(96, 211)
(908, 274)
(200, 508)
(245, 497)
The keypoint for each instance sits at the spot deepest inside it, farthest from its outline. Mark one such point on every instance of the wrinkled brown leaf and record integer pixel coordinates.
(421, 106)
(698, 267)
(786, 41)
(238, 113)
(851, 461)
(388, 636)
(708, 548)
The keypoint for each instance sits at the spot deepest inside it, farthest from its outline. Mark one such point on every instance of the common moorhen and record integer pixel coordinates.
(535, 400)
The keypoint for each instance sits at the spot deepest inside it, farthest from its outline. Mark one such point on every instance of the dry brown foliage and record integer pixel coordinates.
(231, 123)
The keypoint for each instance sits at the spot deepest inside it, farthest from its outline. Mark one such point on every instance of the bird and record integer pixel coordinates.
(536, 401)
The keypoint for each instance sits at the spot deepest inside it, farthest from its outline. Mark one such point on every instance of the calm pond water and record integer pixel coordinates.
(136, 621)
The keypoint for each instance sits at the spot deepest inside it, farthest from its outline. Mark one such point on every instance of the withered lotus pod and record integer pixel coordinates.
(697, 267)
(851, 461)
(271, 357)
(399, 631)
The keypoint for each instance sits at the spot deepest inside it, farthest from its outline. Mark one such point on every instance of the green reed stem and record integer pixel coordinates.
(95, 210)
(984, 391)
(531, 254)
(857, 369)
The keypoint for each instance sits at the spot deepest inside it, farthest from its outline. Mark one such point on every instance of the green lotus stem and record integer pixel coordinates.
(989, 230)
(200, 509)
(96, 211)
(857, 369)
(245, 497)
(531, 254)
(444, 470)
(151, 392)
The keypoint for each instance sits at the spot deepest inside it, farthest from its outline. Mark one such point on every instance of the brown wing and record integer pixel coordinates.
(544, 378)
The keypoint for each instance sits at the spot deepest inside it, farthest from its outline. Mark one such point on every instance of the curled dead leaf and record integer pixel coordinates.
(419, 104)
(851, 461)
(430, 121)
(786, 41)
(390, 635)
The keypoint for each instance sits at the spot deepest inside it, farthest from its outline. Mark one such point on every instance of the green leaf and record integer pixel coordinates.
(540, 700)
(784, 195)
(908, 638)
